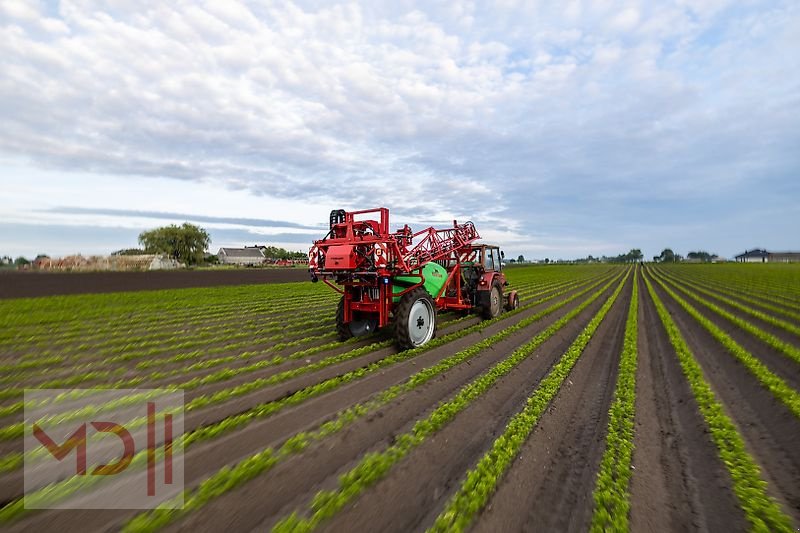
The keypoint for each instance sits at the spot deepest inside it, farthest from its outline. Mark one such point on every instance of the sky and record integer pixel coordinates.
(561, 129)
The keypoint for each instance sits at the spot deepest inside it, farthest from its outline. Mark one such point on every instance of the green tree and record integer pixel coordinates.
(521, 258)
(129, 251)
(187, 243)
(635, 255)
(667, 256)
(705, 257)
(21, 261)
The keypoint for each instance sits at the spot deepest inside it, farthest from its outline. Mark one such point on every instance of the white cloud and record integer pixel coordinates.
(527, 104)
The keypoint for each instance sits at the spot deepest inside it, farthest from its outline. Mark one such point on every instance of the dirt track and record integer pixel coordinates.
(30, 284)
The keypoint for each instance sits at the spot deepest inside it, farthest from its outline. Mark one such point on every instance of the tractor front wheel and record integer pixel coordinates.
(494, 306)
(415, 319)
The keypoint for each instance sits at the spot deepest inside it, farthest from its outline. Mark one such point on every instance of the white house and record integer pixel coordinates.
(241, 256)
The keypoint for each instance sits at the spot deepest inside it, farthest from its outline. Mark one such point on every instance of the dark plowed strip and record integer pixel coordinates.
(27, 284)
(549, 486)
(770, 430)
(670, 441)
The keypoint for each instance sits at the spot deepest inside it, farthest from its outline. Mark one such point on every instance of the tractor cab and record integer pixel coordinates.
(484, 281)
(489, 257)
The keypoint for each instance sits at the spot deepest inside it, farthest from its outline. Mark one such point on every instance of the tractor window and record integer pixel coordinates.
(489, 259)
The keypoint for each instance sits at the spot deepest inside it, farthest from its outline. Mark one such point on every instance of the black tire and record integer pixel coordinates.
(513, 302)
(342, 329)
(494, 306)
(411, 327)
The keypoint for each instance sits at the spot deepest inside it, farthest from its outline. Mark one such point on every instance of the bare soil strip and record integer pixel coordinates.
(31, 284)
(770, 430)
(679, 483)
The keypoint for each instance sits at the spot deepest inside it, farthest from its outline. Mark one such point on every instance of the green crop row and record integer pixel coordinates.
(161, 328)
(482, 480)
(228, 478)
(157, 326)
(778, 387)
(14, 430)
(62, 490)
(773, 282)
(272, 407)
(611, 495)
(79, 377)
(762, 511)
(719, 287)
(118, 306)
(93, 362)
(155, 320)
(375, 465)
(769, 339)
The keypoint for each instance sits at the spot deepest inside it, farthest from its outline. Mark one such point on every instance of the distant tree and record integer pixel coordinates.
(656, 258)
(667, 256)
(187, 243)
(521, 258)
(635, 255)
(7, 260)
(704, 257)
(21, 261)
(512, 260)
(129, 251)
(547, 261)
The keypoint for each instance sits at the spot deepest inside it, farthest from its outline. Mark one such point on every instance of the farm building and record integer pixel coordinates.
(241, 256)
(763, 256)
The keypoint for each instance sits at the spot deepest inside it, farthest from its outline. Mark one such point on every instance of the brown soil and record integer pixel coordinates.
(28, 284)
(678, 483)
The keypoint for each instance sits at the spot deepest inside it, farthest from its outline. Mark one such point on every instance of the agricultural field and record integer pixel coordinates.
(643, 398)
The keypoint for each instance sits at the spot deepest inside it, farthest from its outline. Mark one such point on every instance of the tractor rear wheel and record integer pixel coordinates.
(513, 301)
(415, 319)
(494, 306)
(342, 329)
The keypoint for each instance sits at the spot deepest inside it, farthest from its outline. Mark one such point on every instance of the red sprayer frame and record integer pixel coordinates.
(365, 255)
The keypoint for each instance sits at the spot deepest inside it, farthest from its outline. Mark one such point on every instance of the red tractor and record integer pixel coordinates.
(402, 279)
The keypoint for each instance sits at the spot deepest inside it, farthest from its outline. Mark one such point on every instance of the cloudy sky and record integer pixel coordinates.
(560, 128)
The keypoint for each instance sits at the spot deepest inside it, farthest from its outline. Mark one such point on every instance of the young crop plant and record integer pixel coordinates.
(482, 480)
(761, 510)
(228, 478)
(611, 493)
(777, 386)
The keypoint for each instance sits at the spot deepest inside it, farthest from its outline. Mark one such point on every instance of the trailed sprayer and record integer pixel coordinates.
(401, 279)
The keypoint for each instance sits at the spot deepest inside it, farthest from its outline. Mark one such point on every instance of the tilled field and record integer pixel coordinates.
(656, 398)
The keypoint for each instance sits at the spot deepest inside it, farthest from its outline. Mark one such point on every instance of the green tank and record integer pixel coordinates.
(435, 278)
